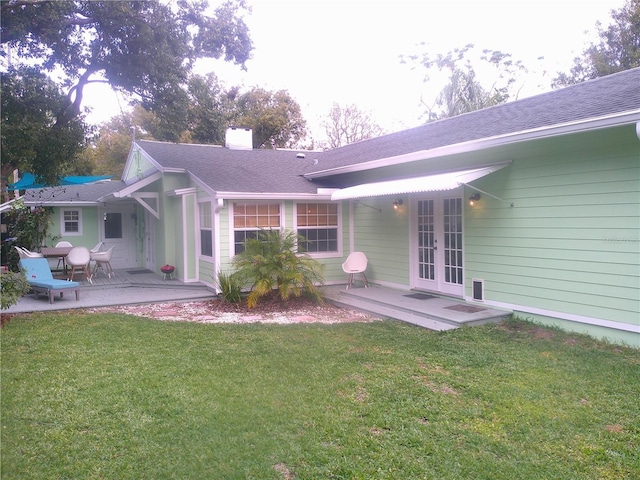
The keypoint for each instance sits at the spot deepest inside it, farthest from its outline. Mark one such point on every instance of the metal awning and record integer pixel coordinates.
(429, 183)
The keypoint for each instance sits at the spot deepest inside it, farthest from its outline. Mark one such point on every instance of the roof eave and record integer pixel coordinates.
(324, 195)
(580, 126)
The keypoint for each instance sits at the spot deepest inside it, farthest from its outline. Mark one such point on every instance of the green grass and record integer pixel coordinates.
(117, 397)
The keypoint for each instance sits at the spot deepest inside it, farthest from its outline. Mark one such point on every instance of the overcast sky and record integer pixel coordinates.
(347, 51)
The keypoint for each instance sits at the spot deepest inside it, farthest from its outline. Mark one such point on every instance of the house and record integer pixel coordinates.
(531, 206)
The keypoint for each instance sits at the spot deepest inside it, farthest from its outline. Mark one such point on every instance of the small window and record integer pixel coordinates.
(112, 225)
(206, 230)
(317, 223)
(71, 222)
(250, 218)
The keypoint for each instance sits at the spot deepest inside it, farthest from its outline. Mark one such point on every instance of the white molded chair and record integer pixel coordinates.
(103, 258)
(356, 264)
(24, 253)
(97, 248)
(78, 259)
(61, 259)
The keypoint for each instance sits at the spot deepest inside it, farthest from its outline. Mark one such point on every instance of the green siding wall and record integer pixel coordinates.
(382, 233)
(332, 267)
(89, 236)
(571, 242)
(139, 164)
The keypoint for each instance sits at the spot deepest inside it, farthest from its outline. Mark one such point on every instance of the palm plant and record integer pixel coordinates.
(270, 262)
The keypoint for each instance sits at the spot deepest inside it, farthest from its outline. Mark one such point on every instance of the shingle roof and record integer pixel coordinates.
(280, 171)
(73, 193)
(608, 95)
(227, 170)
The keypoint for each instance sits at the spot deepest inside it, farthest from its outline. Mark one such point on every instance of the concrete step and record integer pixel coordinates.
(386, 311)
(436, 313)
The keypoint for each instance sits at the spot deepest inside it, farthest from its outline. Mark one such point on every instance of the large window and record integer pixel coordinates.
(250, 218)
(206, 230)
(71, 222)
(318, 224)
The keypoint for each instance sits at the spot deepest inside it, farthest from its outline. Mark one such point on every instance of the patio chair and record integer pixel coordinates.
(41, 280)
(356, 264)
(103, 259)
(78, 259)
(97, 248)
(24, 253)
(61, 259)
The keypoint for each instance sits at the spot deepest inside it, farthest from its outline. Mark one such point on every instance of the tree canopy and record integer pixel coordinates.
(31, 137)
(464, 92)
(143, 48)
(617, 50)
(348, 124)
(274, 117)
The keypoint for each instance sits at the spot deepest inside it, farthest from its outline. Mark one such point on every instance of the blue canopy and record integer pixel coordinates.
(28, 181)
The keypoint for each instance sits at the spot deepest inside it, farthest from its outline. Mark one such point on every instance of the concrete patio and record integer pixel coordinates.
(140, 286)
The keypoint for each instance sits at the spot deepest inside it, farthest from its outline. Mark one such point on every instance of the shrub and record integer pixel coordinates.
(270, 262)
(27, 227)
(230, 287)
(12, 286)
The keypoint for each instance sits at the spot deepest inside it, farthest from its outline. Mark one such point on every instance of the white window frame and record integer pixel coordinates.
(338, 227)
(63, 222)
(201, 227)
(233, 229)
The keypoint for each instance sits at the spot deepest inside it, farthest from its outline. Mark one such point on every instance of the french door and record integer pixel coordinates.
(437, 244)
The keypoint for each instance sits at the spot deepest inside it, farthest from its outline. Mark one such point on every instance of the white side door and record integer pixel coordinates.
(117, 228)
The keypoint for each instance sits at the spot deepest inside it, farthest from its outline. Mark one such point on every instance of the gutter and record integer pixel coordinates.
(580, 126)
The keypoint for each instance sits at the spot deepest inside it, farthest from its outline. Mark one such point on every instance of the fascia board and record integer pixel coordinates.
(181, 191)
(489, 142)
(68, 203)
(127, 191)
(271, 196)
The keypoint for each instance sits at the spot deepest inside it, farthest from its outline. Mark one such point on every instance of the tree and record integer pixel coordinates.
(617, 50)
(144, 48)
(109, 149)
(345, 125)
(212, 109)
(464, 92)
(275, 118)
(32, 137)
(270, 263)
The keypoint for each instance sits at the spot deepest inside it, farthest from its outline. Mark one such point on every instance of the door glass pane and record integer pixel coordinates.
(426, 265)
(453, 240)
(113, 225)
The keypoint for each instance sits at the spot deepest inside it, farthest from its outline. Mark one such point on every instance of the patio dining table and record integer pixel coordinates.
(56, 252)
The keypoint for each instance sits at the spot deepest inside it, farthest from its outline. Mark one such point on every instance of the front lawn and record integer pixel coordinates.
(104, 396)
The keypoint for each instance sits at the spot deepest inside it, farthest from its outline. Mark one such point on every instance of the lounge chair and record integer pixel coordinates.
(41, 280)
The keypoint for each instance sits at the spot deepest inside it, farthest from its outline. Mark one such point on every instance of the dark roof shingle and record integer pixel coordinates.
(603, 96)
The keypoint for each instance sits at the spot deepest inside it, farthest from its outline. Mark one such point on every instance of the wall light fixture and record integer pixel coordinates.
(474, 198)
(397, 203)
